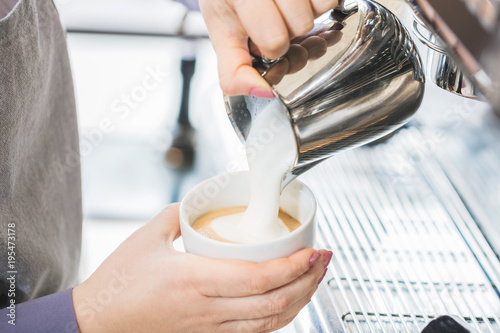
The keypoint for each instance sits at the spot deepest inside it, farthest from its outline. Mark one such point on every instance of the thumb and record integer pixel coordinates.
(238, 77)
(166, 223)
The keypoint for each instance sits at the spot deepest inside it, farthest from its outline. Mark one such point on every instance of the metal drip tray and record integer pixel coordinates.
(406, 250)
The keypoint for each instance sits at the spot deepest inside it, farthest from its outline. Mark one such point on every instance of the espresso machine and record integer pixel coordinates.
(412, 218)
(464, 39)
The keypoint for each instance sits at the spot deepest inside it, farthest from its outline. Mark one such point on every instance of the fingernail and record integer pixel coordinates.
(261, 93)
(322, 276)
(314, 258)
(327, 258)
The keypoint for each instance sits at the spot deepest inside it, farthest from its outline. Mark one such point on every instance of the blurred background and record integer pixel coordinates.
(435, 184)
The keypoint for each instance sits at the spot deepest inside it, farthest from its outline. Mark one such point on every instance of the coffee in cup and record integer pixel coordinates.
(204, 224)
(233, 190)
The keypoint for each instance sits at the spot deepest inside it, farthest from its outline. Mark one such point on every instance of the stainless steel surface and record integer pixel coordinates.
(406, 249)
(469, 30)
(440, 68)
(361, 78)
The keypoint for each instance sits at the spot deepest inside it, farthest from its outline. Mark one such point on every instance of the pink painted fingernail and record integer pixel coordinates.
(314, 258)
(322, 276)
(261, 93)
(327, 258)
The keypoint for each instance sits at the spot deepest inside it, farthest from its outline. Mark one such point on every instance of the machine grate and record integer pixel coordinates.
(406, 250)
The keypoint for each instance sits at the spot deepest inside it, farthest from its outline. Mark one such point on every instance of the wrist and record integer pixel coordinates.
(90, 317)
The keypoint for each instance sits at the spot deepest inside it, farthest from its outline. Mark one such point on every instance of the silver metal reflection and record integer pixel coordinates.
(469, 31)
(354, 78)
(441, 69)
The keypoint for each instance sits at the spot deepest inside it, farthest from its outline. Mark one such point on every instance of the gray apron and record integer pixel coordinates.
(40, 190)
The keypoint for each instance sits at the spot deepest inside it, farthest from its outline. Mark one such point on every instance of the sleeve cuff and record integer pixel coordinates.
(53, 313)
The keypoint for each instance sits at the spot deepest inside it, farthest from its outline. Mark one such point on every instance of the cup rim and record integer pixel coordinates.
(184, 221)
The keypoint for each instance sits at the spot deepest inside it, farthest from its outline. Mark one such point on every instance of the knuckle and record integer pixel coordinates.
(278, 303)
(310, 294)
(321, 6)
(246, 327)
(288, 321)
(227, 87)
(297, 268)
(282, 323)
(272, 323)
(303, 27)
(227, 78)
(275, 45)
(258, 284)
(300, 267)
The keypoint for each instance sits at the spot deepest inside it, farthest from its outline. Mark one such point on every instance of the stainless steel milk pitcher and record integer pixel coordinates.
(362, 79)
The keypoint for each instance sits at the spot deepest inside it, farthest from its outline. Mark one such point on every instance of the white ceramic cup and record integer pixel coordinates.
(233, 189)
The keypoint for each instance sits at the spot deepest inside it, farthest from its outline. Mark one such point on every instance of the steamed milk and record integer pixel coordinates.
(203, 225)
(271, 152)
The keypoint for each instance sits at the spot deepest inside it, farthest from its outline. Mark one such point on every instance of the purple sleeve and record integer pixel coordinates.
(190, 4)
(52, 314)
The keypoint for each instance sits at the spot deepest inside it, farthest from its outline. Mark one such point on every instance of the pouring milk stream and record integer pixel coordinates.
(271, 152)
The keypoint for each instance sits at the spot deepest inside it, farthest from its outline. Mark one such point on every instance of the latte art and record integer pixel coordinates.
(204, 224)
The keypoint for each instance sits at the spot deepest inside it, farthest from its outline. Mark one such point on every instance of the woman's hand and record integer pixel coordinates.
(147, 286)
(270, 24)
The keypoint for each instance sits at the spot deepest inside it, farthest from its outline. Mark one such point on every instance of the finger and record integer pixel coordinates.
(243, 278)
(230, 42)
(322, 6)
(272, 322)
(289, 315)
(166, 223)
(270, 34)
(238, 77)
(285, 323)
(297, 15)
(274, 302)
